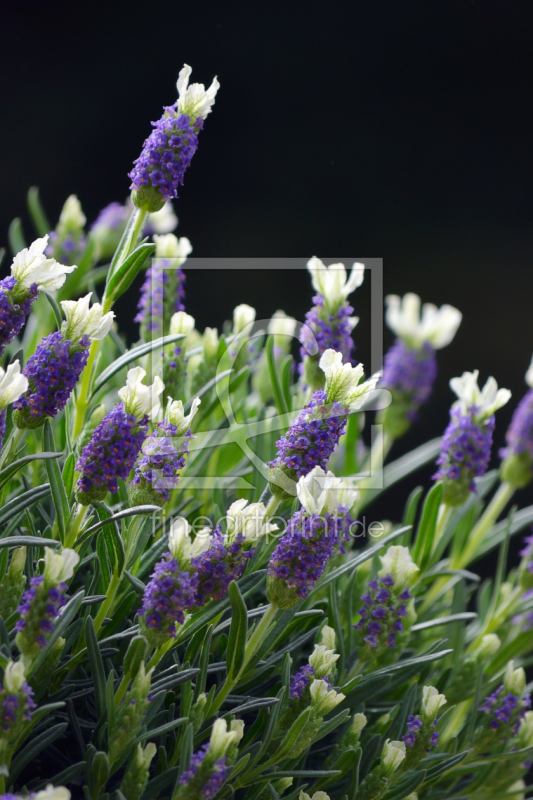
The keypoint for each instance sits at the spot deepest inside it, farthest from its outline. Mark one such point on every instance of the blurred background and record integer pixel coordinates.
(392, 129)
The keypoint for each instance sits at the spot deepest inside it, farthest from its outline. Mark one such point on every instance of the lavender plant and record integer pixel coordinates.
(165, 633)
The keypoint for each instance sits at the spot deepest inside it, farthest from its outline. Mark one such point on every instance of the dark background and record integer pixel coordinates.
(389, 128)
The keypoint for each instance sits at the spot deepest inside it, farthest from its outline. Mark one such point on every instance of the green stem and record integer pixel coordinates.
(272, 505)
(111, 592)
(486, 521)
(252, 646)
(74, 529)
(442, 519)
(82, 401)
(11, 445)
(121, 691)
(160, 652)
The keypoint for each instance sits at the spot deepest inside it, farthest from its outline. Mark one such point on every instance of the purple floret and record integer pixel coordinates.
(312, 437)
(409, 373)
(167, 153)
(111, 453)
(13, 314)
(52, 371)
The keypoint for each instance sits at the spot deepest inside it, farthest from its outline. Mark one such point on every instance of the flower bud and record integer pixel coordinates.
(514, 680)
(489, 645)
(323, 660)
(136, 777)
(323, 698)
(392, 756)
(397, 561)
(431, 703)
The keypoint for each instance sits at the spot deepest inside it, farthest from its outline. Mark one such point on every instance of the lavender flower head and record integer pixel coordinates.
(207, 770)
(410, 365)
(329, 322)
(117, 440)
(31, 272)
(108, 227)
(163, 456)
(387, 614)
(41, 603)
(517, 466)
(505, 709)
(16, 705)
(68, 241)
(300, 557)
(169, 149)
(54, 369)
(315, 433)
(225, 559)
(467, 441)
(175, 361)
(422, 734)
(163, 291)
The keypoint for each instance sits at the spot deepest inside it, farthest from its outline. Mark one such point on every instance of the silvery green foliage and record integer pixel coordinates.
(139, 655)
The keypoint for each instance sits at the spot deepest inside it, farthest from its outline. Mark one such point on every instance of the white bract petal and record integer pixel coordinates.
(316, 796)
(322, 659)
(392, 756)
(323, 698)
(243, 316)
(181, 322)
(12, 384)
(164, 220)
(431, 702)
(195, 100)
(342, 381)
(514, 680)
(397, 562)
(437, 326)
(59, 567)
(222, 738)
(14, 676)
(332, 283)
(32, 266)
(138, 398)
(182, 546)
(72, 216)
(529, 375)
(248, 520)
(52, 793)
(210, 343)
(176, 415)
(281, 325)
(484, 402)
(169, 246)
(359, 721)
(84, 321)
(328, 637)
(489, 645)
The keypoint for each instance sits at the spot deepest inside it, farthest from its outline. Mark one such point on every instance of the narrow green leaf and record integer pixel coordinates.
(97, 667)
(296, 732)
(113, 539)
(22, 502)
(68, 473)
(15, 236)
(286, 377)
(59, 495)
(29, 541)
(407, 786)
(277, 391)
(121, 279)
(425, 534)
(169, 726)
(443, 766)
(13, 468)
(238, 632)
(37, 212)
(35, 746)
(55, 308)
